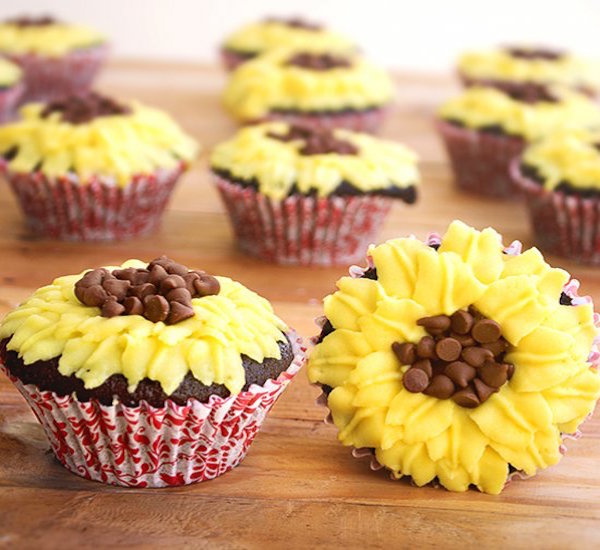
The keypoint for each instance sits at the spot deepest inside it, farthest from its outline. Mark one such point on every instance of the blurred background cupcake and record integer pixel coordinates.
(296, 195)
(88, 167)
(485, 128)
(11, 88)
(310, 87)
(276, 32)
(57, 58)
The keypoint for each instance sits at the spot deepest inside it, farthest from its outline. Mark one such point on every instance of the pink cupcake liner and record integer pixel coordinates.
(231, 59)
(565, 225)
(64, 208)
(480, 160)
(9, 99)
(48, 78)
(145, 446)
(303, 230)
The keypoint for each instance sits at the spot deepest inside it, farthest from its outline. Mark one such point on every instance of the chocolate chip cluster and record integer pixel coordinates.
(318, 61)
(28, 21)
(461, 358)
(295, 22)
(316, 141)
(535, 53)
(163, 291)
(79, 109)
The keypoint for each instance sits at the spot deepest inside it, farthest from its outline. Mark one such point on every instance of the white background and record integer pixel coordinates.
(423, 35)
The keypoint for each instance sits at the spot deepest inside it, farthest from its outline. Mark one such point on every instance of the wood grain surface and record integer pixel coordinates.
(298, 487)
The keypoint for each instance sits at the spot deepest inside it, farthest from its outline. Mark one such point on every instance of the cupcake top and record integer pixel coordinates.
(280, 159)
(45, 36)
(94, 136)
(529, 117)
(458, 360)
(294, 32)
(530, 64)
(10, 74)
(156, 321)
(307, 80)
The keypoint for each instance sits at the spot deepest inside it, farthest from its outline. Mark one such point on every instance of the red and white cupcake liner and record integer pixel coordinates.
(48, 78)
(231, 60)
(98, 210)
(9, 99)
(480, 160)
(565, 225)
(302, 230)
(145, 446)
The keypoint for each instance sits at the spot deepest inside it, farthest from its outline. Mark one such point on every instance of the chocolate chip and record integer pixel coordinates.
(510, 370)
(425, 366)
(112, 308)
(94, 296)
(486, 331)
(476, 356)
(415, 380)
(140, 278)
(494, 374)
(405, 352)
(189, 281)
(426, 348)
(465, 340)
(181, 295)
(448, 349)
(440, 386)
(171, 282)
(483, 390)
(133, 306)
(497, 348)
(141, 291)
(156, 308)
(127, 274)
(460, 373)
(207, 285)
(435, 324)
(157, 274)
(461, 322)
(466, 398)
(117, 288)
(177, 269)
(93, 277)
(179, 312)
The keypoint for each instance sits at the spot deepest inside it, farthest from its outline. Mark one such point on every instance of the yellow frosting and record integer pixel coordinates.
(278, 165)
(53, 323)
(500, 65)
(267, 35)
(479, 106)
(552, 391)
(116, 147)
(10, 73)
(570, 155)
(48, 40)
(267, 83)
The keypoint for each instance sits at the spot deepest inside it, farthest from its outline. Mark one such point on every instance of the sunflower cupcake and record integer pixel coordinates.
(296, 195)
(148, 374)
(457, 361)
(522, 68)
(484, 129)
(57, 58)
(310, 87)
(89, 167)
(273, 32)
(11, 88)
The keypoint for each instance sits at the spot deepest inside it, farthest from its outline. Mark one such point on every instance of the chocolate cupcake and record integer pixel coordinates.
(11, 89)
(522, 68)
(57, 58)
(296, 195)
(273, 32)
(148, 375)
(485, 128)
(106, 173)
(310, 87)
(457, 361)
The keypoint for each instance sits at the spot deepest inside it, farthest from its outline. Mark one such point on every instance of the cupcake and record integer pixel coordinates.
(297, 195)
(457, 362)
(57, 58)
(521, 69)
(485, 128)
(560, 179)
(90, 168)
(274, 32)
(11, 88)
(148, 375)
(310, 87)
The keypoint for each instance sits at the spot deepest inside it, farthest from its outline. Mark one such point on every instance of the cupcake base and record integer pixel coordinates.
(302, 230)
(9, 99)
(145, 446)
(480, 160)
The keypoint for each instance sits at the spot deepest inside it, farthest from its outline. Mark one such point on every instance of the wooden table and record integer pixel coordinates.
(298, 487)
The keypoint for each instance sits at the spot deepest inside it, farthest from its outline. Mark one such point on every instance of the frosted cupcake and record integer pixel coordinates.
(148, 375)
(57, 58)
(92, 168)
(522, 68)
(310, 87)
(485, 128)
(301, 196)
(11, 88)
(295, 32)
(457, 361)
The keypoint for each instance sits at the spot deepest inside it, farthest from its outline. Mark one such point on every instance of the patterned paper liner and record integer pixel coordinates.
(571, 289)
(480, 160)
(144, 446)
(47, 78)
(64, 208)
(565, 225)
(9, 99)
(231, 60)
(301, 230)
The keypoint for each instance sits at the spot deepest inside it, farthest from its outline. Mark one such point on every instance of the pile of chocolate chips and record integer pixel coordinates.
(532, 93)
(534, 53)
(26, 21)
(461, 358)
(318, 61)
(79, 109)
(163, 291)
(295, 22)
(317, 142)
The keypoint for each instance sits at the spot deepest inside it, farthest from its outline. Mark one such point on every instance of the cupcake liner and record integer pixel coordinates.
(303, 230)
(565, 225)
(47, 78)
(480, 160)
(145, 446)
(9, 99)
(64, 208)
(231, 59)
